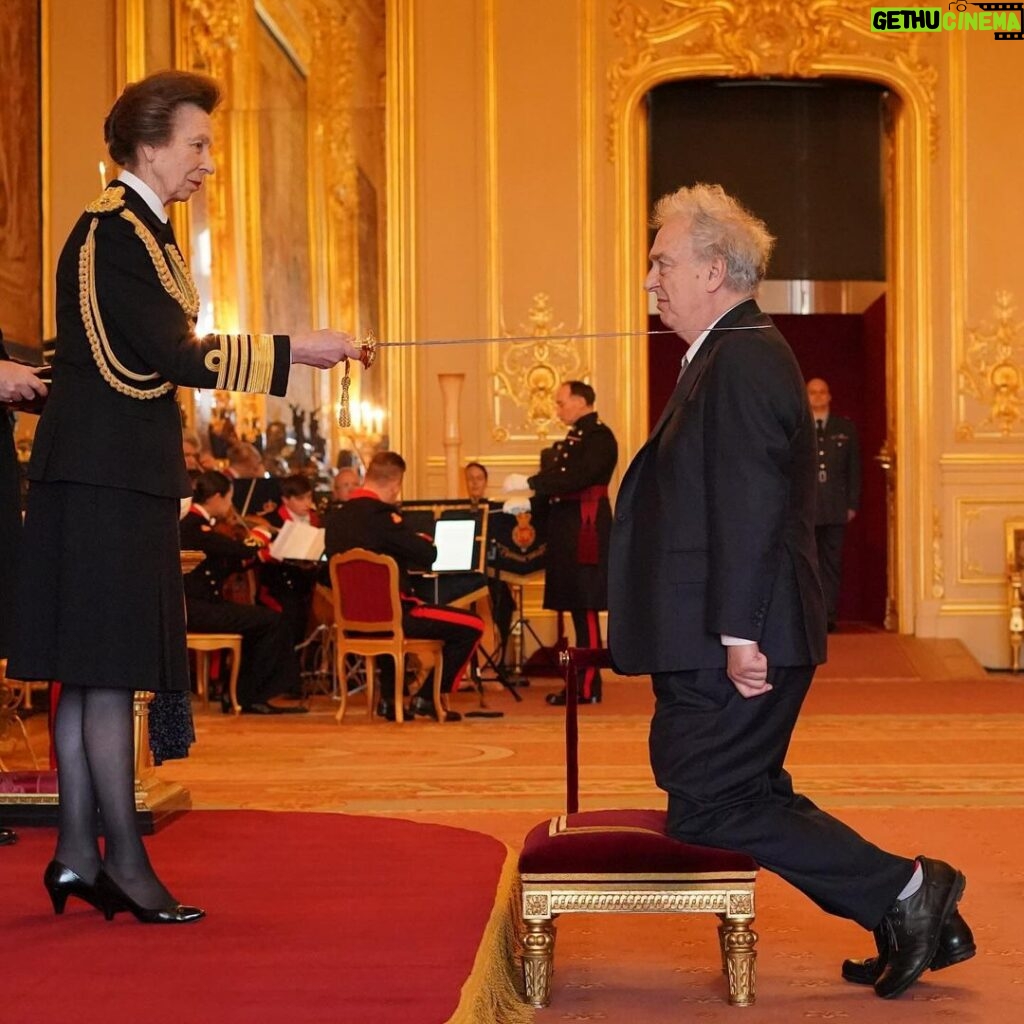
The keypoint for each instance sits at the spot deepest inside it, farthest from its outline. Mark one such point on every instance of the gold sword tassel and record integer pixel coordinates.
(367, 356)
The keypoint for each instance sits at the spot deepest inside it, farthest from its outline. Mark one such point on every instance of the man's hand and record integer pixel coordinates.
(19, 383)
(324, 349)
(747, 667)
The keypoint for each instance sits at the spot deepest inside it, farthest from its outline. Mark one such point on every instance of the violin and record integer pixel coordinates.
(240, 587)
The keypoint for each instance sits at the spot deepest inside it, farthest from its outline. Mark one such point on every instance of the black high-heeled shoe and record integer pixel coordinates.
(61, 882)
(115, 899)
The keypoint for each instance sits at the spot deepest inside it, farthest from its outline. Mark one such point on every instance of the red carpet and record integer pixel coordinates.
(311, 918)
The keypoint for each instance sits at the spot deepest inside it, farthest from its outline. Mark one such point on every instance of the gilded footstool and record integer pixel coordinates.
(622, 862)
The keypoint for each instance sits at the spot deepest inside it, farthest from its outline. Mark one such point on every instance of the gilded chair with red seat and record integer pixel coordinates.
(368, 621)
(623, 861)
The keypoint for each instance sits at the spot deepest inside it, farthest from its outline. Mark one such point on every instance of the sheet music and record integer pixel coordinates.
(298, 540)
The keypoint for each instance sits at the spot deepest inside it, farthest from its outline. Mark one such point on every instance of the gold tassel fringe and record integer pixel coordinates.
(492, 993)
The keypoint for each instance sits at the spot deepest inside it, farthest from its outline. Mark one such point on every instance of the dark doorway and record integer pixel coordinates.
(807, 157)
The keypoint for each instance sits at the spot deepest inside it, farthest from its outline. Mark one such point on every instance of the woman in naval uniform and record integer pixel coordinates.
(100, 602)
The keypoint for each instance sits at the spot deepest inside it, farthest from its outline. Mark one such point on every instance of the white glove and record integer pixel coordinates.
(520, 503)
(515, 482)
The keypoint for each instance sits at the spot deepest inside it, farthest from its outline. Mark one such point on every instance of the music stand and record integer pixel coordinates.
(520, 625)
(431, 511)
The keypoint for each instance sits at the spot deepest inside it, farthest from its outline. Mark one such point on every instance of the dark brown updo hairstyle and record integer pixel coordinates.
(144, 112)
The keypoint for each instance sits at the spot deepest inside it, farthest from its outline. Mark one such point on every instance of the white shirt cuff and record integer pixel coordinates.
(735, 641)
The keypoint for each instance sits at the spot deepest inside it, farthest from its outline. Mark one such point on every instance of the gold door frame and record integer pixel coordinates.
(833, 41)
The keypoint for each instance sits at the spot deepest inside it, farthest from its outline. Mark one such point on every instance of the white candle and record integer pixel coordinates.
(103, 175)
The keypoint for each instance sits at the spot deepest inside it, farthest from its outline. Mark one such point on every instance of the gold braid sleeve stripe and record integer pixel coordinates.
(242, 362)
(102, 353)
(176, 278)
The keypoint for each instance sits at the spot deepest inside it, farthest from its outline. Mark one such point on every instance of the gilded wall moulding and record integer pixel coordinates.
(991, 377)
(213, 31)
(526, 375)
(331, 103)
(938, 563)
(759, 38)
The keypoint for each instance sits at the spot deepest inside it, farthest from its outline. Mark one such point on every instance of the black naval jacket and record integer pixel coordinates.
(574, 478)
(111, 418)
(838, 472)
(224, 556)
(364, 521)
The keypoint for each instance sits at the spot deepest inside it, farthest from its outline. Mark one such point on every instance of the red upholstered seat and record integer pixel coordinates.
(623, 862)
(620, 843)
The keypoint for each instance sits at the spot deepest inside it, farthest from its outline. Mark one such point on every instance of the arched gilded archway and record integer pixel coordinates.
(768, 38)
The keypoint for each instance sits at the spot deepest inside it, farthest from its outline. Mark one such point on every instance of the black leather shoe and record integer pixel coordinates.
(8, 837)
(386, 710)
(425, 707)
(956, 944)
(558, 699)
(61, 882)
(116, 899)
(272, 709)
(913, 927)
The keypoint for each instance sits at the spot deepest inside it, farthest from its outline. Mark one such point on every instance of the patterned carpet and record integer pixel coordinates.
(906, 740)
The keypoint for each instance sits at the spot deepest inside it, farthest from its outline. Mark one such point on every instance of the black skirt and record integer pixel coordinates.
(99, 597)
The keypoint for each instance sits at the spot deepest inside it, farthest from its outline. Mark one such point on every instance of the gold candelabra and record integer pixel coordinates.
(365, 430)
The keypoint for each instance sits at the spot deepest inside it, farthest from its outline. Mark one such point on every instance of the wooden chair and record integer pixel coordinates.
(368, 617)
(11, 696)
(624, 862)
(203, 644)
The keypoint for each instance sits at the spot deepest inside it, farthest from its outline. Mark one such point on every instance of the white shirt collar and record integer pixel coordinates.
(151, 198)
(692, 350)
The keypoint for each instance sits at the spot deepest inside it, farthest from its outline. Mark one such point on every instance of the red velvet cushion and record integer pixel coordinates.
(621, 843)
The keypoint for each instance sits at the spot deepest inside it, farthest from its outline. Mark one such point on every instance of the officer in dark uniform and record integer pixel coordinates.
(838, 495)
(574, 478)
(17, 383)
(370, 519)
(102, 611)
(268, 667)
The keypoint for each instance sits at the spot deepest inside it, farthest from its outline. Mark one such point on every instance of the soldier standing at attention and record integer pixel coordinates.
(838, 492)
(574, 478)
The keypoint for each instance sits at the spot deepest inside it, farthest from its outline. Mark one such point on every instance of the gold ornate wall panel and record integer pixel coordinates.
(280, 216)
(526, 374)
(678, 39)
(979, 524)
(21, 243)
(982, 464)
(990, 382)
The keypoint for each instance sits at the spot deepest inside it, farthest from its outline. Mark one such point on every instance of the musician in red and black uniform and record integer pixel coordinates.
(370, 519)
(574, 478)
(287, 587)
(269, 667)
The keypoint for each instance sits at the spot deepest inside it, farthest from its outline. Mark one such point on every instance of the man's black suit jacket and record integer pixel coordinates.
(714, 521)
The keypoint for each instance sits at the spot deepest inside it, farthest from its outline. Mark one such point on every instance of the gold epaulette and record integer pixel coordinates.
(112, 370)
(170, 267)
(110, 200)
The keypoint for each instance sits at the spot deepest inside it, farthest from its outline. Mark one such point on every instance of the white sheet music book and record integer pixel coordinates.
(298, 540)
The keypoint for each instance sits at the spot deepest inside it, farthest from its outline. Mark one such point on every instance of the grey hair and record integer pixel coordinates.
(721, 226)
